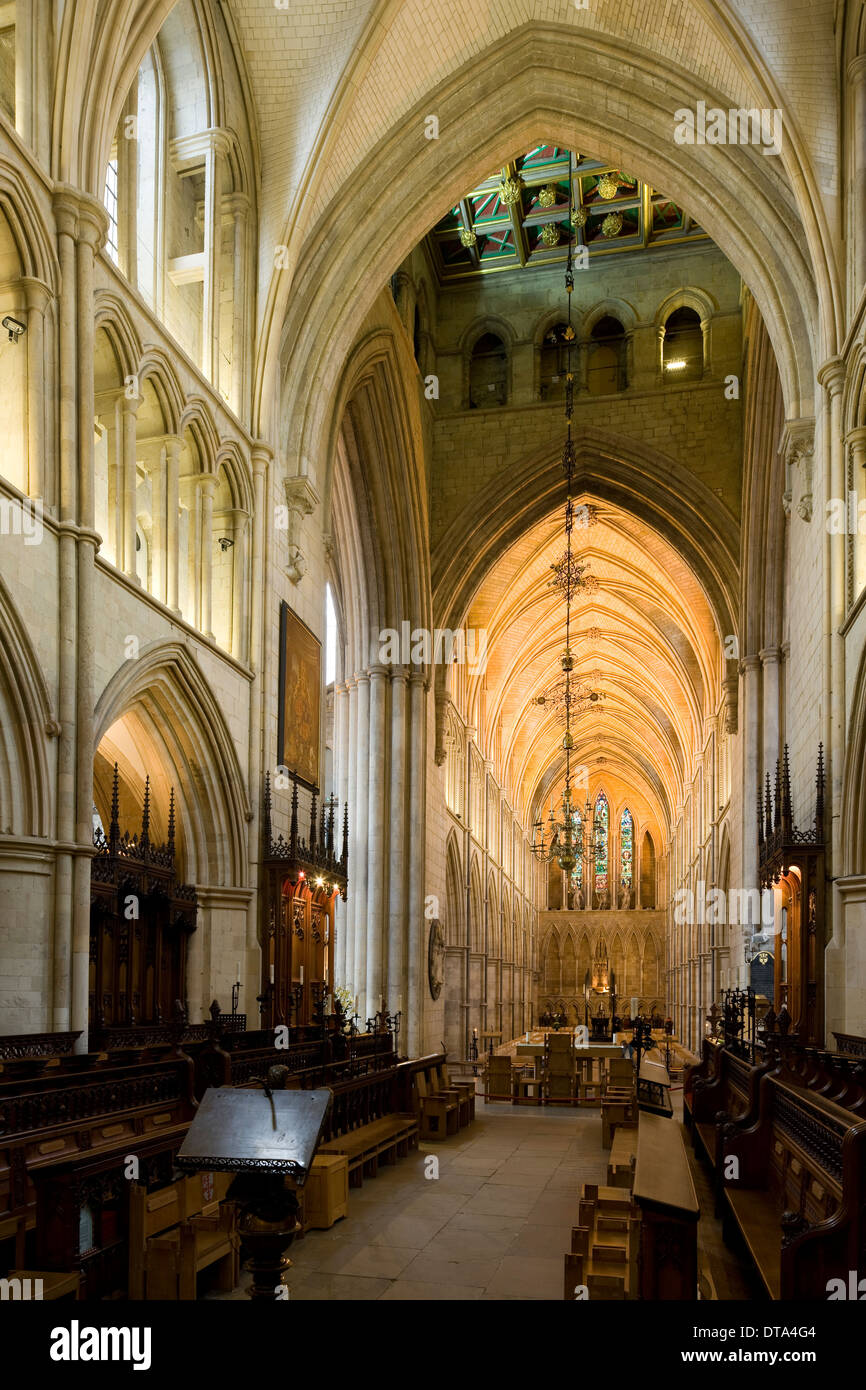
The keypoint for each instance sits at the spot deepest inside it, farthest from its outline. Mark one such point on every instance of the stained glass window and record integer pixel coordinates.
(602, 816)
(577, 871)
(626, 849)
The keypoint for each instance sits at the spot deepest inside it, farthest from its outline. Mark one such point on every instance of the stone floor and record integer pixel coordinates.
(494, 1224)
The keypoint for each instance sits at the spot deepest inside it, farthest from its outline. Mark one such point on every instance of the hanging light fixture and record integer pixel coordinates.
(562, 837)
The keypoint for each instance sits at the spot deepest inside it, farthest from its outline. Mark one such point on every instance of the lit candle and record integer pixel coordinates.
(272, 974)
(475, 1032)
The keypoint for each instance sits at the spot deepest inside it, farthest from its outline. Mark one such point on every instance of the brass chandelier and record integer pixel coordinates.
(563, 837)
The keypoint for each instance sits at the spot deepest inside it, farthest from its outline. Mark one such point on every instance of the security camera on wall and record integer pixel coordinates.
(14, 328)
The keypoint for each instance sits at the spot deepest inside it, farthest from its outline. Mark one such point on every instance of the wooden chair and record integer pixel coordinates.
(439, 1116)
(176, 1232)
(465, 1091)
(497, 1078)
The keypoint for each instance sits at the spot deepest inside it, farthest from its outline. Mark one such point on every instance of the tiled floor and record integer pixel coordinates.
(494, 1223)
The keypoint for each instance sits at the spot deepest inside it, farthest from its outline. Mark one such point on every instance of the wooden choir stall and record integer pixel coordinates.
(301, 880)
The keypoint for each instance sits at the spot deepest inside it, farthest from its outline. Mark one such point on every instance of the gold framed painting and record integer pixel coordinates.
(299, 717)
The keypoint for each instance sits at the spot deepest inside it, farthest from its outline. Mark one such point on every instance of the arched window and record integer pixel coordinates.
(683, 348)
(648, 872)
(626, 856)
(554, 362)
(602, 848)
(605, 374)
(554, 887)
(416, 335)
(7, 66)
(576, 885)
(488, 373)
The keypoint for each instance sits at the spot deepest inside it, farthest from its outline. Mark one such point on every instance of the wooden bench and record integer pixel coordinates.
(383, 1140)
(794, 1187)
(623, 1152)
(176, 1232)
(604, 1246)
(721, 1089)
(665, 1194)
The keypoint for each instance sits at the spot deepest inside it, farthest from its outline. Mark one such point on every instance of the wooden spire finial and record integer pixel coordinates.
(114, 827)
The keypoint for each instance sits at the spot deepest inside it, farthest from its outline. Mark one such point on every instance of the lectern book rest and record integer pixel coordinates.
(262, 1137)
(251, 1131)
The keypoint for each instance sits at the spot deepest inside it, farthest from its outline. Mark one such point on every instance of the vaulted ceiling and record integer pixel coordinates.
(645, 641)
(519, 216)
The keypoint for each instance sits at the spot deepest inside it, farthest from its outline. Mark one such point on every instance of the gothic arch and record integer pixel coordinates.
(176, 724)
(28, 229)
(26, 721)
(769, 251)
(454, 894)
(854, 781)
(112, 316)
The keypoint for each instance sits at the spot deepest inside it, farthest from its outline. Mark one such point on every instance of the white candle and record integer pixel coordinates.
(237, 972)
(302, 974)
(400, 1004)
(326, 974)
(272, 974)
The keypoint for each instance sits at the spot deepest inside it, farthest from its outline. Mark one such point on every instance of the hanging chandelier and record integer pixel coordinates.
(562, 837)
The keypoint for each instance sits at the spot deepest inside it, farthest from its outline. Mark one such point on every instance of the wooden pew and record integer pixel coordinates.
(366, 1124)
(71, 1112)
(722, 1089)
(794, 1187)
(176, 1232)
(665, 1194)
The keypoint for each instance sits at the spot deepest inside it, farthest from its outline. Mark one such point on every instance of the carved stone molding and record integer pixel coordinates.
(301, 501)
(797, 446)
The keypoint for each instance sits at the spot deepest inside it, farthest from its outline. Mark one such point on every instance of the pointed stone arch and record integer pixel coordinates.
(173, 721)
(27, 721)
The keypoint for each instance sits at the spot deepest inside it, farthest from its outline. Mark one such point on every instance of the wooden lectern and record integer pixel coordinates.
(262, 1137)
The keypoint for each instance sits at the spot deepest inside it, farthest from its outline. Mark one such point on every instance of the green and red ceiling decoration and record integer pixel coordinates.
(519, 217)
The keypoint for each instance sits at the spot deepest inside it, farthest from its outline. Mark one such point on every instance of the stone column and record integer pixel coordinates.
(38, 296)
(66, 216)
(207, 483)
(770, 662)
(831, 377)
(92, 226)
(240, 585)
(260, 459)
(750, 668)
(173, 446)
(217, 148)
(398, 882)
(239, 205)
(376, 794)
(417, 860)
(857, 79)
(358, 814)
(341, 773)
(856, 441)
(129, 406)
(349, 915)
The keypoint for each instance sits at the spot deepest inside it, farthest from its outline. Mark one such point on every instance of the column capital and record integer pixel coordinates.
(831, 375)
(768, 655)
(857, 439)
(38, 294)
(378, 672)
(749, 663)
(857, 68)
(208, 482)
